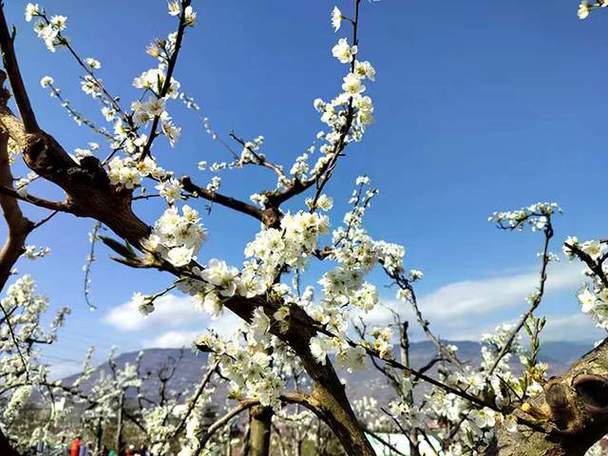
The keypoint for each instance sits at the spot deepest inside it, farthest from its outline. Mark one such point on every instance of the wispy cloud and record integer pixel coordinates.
(458, 310)
(466, 309)
(225, 326)
(572, 327)
(474, 298)
(174, 323)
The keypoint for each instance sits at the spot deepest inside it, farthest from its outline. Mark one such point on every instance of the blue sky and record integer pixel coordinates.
(479, 106)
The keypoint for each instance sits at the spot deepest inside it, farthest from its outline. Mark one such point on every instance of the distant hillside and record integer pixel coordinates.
(190, 366)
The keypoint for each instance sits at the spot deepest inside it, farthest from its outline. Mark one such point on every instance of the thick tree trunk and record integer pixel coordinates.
(260, 431)
(337, 413)
(570, 415)
(529, 443)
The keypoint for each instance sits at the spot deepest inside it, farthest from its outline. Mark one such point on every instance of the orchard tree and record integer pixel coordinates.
(288, 329)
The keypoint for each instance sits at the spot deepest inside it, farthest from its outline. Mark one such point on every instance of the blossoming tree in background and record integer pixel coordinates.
(286, 328)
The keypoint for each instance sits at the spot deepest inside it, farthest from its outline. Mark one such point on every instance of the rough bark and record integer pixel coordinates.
(88, 190)
(571, 414)
(328, 391)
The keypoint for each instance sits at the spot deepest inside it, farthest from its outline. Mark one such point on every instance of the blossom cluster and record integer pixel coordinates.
(21, 333)
(177, 238)
(593, 296)
(585, 7)
(254, 367)
(291, 245)
(537, 216)
(347, 115)
(129, 171)
(48, 29)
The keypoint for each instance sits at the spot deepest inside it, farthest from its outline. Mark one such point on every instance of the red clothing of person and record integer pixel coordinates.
(75, 447)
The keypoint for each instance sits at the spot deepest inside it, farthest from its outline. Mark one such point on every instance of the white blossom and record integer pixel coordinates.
(336, 18)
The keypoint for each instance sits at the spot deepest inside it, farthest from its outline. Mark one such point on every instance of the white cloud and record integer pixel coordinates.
(172, 339)
(458, 311)
(61, 369)
(174, 323)
(464, 310)
(171, 311)
(572, 327)
(478, 297)
(226, 325)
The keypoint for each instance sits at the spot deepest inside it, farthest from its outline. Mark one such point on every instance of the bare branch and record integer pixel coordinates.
(45, 204)
(269, 217)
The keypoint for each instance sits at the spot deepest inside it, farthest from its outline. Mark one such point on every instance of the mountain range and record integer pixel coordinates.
(190, 366)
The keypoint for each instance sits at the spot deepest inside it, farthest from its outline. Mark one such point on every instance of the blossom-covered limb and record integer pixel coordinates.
(50, 30)
(408, 294)
(79, 118)
(288, 398)
(416, 374)
(184, 22)
(325, 172)
(595, 265)
(220, 423)
(193, 401)
(540, 218)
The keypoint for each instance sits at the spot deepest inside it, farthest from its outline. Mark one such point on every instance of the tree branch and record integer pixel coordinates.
(194, 400)
(45, 204)
(170, 68)
(269, 217)
(19, 227)
(10, 64)
(536, 300)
